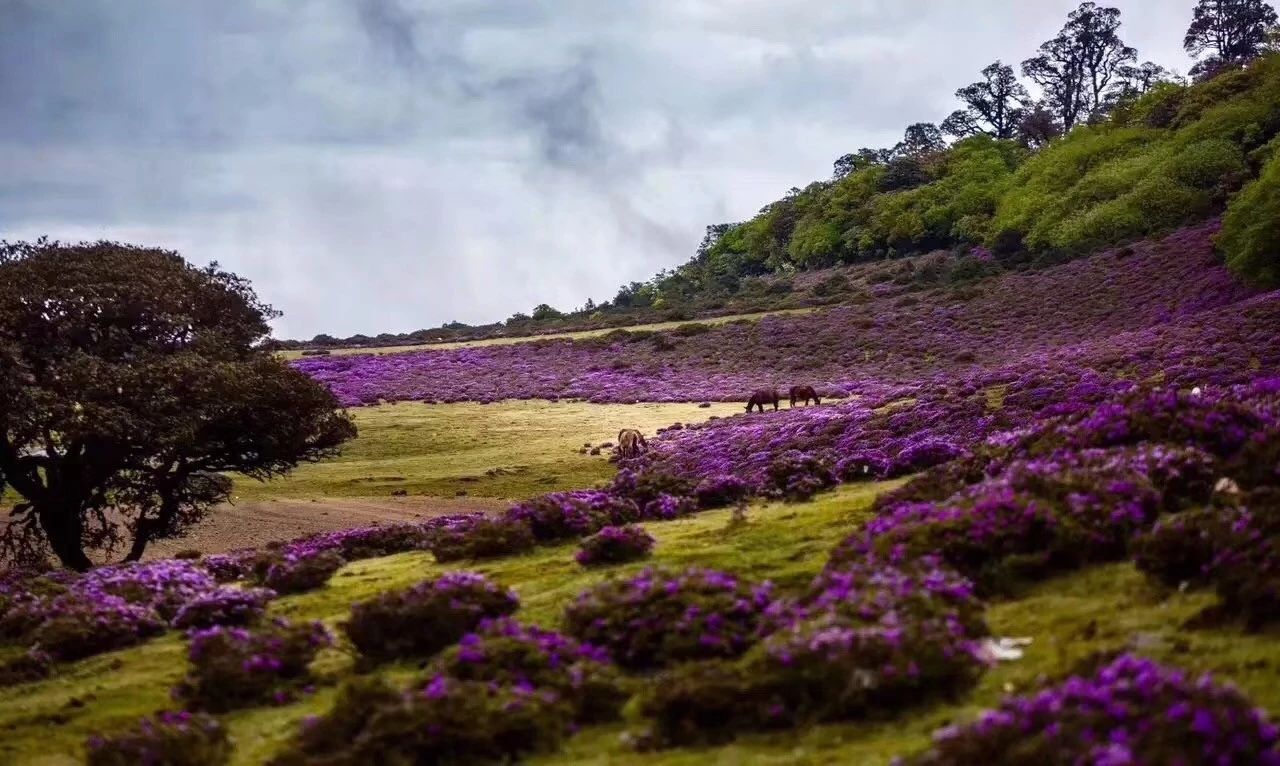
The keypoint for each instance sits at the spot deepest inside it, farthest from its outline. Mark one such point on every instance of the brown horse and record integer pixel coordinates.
(631, 443)
(804, 394)
(762, 397)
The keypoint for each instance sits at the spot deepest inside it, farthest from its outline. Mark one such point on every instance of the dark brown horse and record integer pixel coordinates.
(631, 443)
(762, 397)
(804, 394)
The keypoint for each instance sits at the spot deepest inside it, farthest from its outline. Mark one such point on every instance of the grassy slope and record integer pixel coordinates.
(1103, 608)
(510, 449)
(656, 326)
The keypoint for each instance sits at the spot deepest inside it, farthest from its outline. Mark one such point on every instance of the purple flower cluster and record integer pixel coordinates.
(170, 738)
(421, 620)
(224, 606)
(615, 545)
(234, 667)
(659, 617)
(1132, 711)
(511, 653)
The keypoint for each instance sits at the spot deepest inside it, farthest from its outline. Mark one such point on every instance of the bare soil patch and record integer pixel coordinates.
(249, 524)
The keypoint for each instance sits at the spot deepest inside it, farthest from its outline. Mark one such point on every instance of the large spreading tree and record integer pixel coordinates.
(1230, 32)
(995, 105)
(131, 383)
(1078, 68)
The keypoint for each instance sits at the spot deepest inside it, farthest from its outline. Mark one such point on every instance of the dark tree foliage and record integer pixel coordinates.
(1078, 67)
(920, 139)
(993, 105)
(863, 158)
(130, 381)
(1231, 32)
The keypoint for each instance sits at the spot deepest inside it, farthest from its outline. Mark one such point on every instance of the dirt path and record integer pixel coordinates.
(250, 524)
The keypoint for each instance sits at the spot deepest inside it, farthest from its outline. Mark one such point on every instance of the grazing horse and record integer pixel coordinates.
(762, 397)
(804, 394)
(631, 443)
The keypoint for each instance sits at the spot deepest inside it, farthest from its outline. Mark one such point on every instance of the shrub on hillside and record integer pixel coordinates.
(615, 545)
(422, 620)
(232, 668)
(659, 617)
(226, 567)
(1180, 549)
(562, 515)
(170, 738)
(720, 490)
(225, 606)
(447, 721)
(798, 476)
(31, 665)
(509, 653)
(483, 538)
(1251, 229)
(1130, 711)
(1246, 567)
(292, 573)
(77, 626)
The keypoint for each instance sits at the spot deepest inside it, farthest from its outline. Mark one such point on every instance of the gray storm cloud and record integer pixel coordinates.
(385, 165)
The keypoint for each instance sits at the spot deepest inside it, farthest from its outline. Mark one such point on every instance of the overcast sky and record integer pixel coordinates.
(386, 165)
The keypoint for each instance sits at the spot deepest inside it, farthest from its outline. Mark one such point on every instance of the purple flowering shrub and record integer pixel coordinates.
(796, 475)
(868, 638)
(1245, 570)
(226, 567)
(659, 617)
(232, 668)
(615, 545)
(164, 586)
(424, 619)
(720, 490)
(1130, 711)
(482, 538)
(224, 606)
(446, 721)
(170, 738)
(76, 626)
(289, 572)
(513, 654)
(1180, 549)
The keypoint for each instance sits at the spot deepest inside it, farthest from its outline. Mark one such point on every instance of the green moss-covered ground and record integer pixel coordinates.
(1107, 607)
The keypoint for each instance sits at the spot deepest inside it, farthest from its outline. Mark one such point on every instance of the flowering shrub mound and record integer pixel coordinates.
(224, 606)
(871, 637)
(293, 573)
(172, 739)
(659, 617)
(878, 591)
(482, 538)
(78, 626)
(831, 668)
(1181, 548)
(447, 721)
(796, 475)
(509, 653)
(615, 545)
(422, 620)
(237, 667)
(1034, 515)
(164, 586)
(569, 515)
(1131, 711)
(1246, 565)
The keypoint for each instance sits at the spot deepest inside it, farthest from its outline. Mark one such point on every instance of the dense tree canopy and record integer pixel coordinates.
(994, 105)
(1228, 31)
(1077, 68)
(130, 382)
